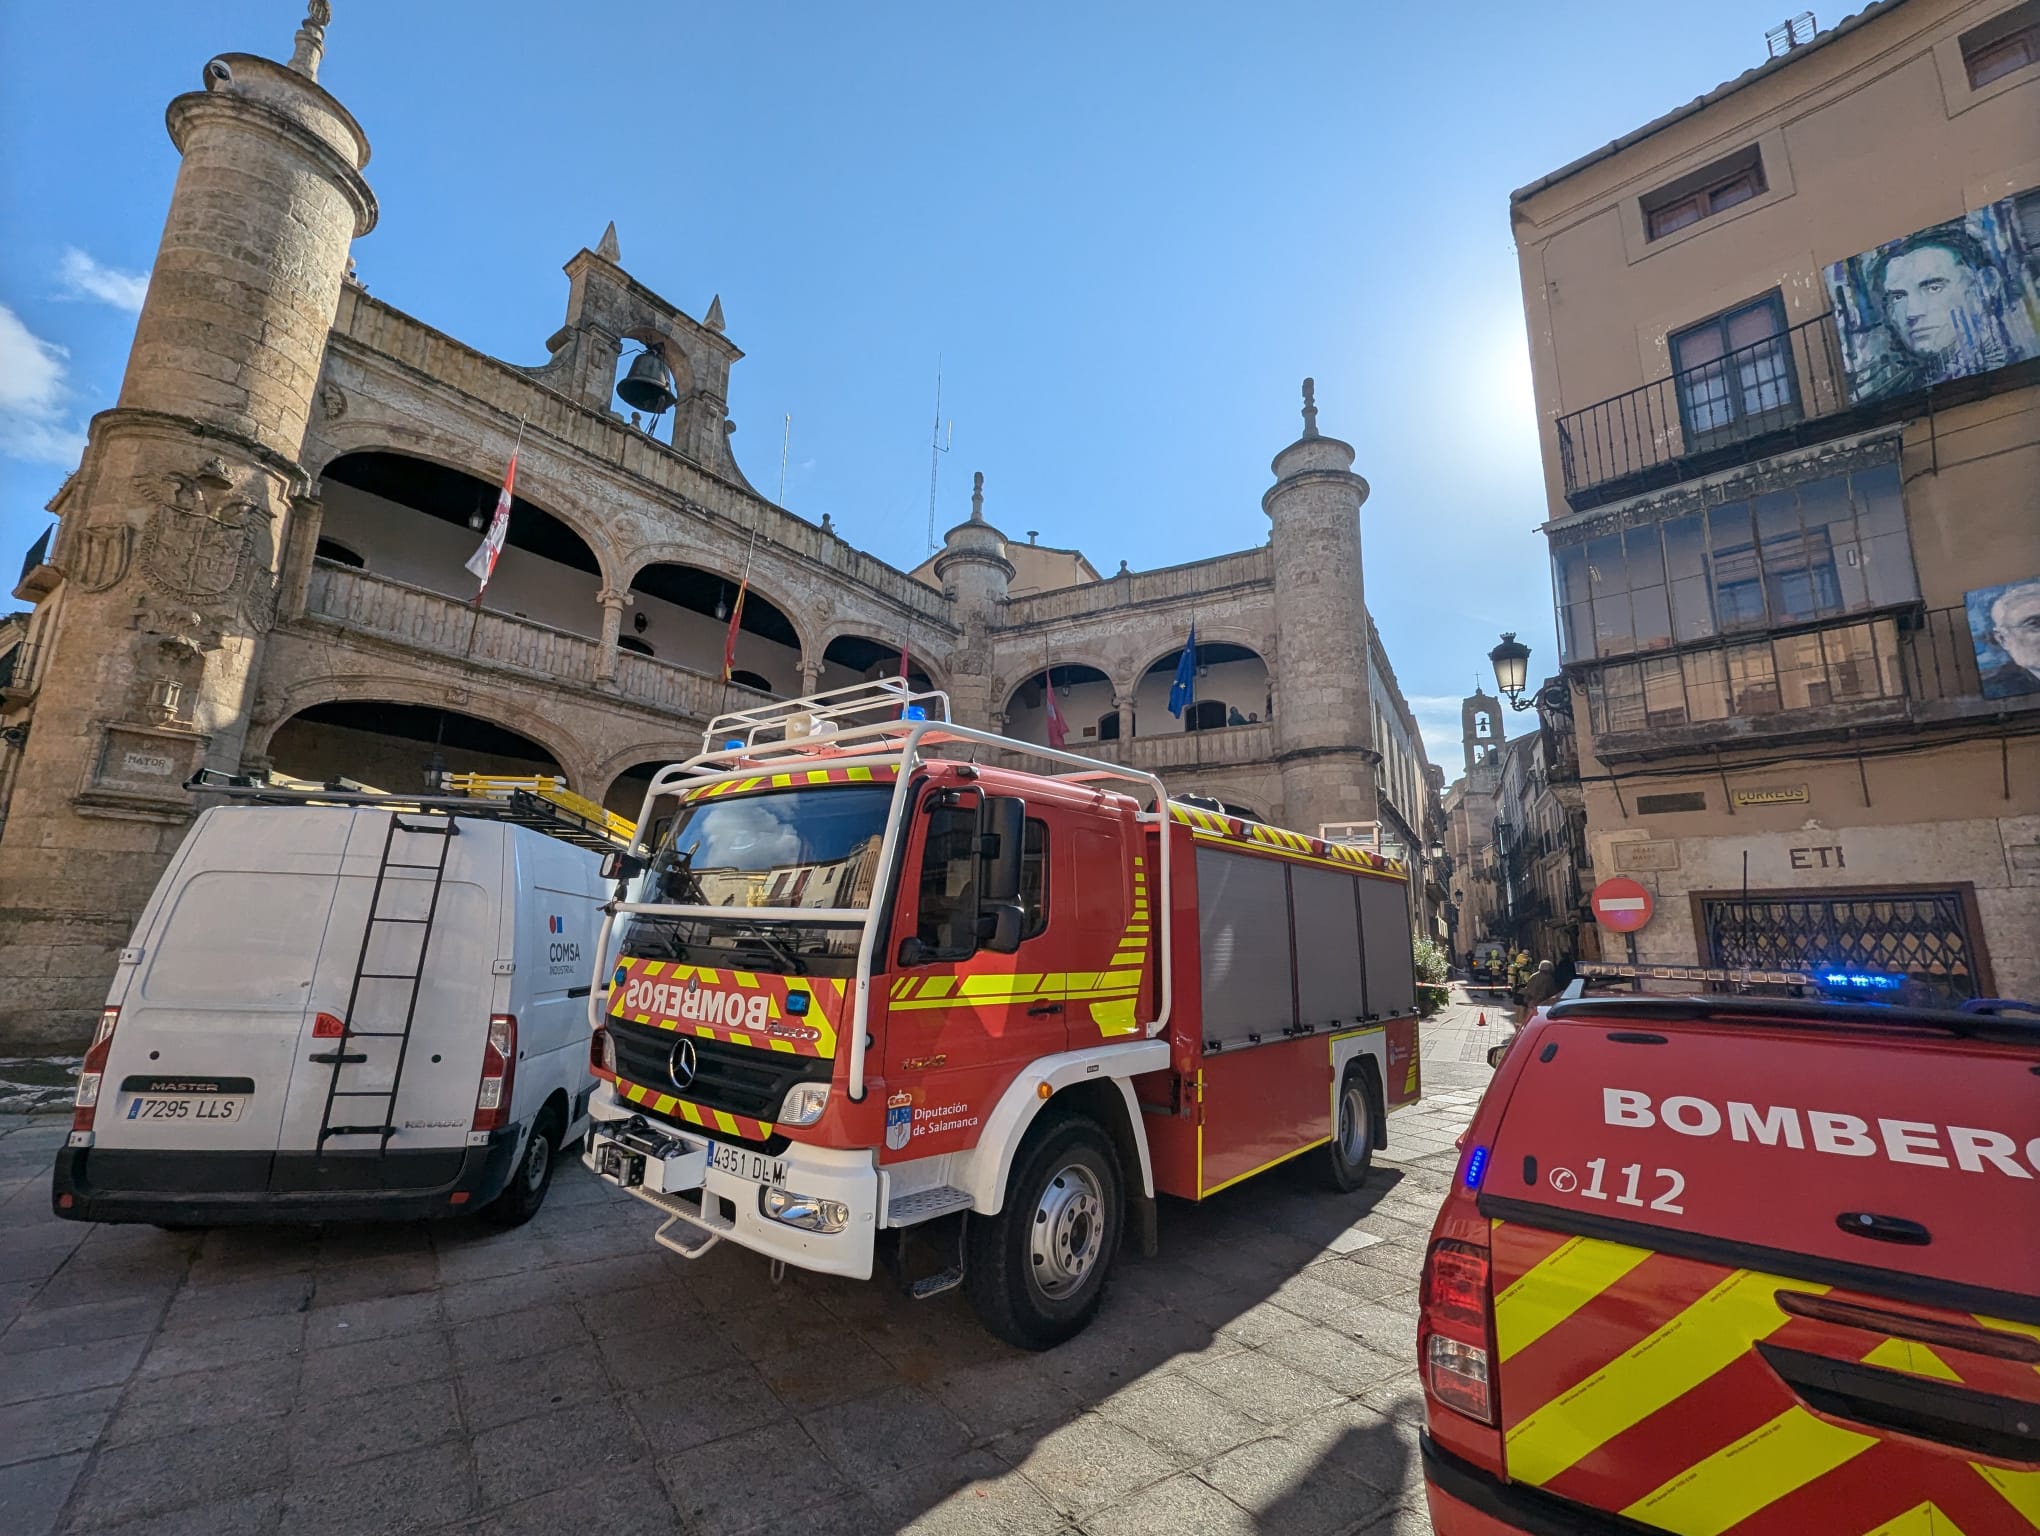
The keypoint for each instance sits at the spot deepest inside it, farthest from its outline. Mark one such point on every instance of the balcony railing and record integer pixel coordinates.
(1884, 671)
(1226, 746)
(450, 629)
(1743, 405)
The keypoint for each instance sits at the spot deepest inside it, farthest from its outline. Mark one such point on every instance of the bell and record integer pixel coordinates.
(649, 384)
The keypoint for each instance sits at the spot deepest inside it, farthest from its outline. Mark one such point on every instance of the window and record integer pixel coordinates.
(2008, 41)
(340, 554)
(1735, 371)
(1797, 555)
(1710, 190)
(745, 679)
(947, 921)
(634, 645)
(1204, 715)
(1108, 726)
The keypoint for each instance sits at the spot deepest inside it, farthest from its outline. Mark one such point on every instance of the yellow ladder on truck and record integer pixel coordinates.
(546, 787)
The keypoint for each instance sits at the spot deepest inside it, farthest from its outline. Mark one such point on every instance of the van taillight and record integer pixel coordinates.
(94, 1068)
(1455, 1340)
(602, 1055)
(499, 1073)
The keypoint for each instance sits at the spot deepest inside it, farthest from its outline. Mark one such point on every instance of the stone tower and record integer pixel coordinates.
(975, 572)
(174, 529)
(1480, 728)
(1323, 725)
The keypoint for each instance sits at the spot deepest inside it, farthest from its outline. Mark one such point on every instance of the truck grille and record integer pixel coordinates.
(740, 1079)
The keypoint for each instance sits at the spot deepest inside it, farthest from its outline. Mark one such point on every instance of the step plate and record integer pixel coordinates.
(925, 1205)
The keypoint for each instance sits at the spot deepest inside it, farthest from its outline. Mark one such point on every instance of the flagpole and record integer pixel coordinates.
(475, 621)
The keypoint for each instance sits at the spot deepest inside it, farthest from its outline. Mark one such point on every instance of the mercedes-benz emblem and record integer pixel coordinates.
(681, 1065)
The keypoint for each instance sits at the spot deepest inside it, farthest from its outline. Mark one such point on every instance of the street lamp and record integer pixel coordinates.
(1437, 849)
(1512, 668)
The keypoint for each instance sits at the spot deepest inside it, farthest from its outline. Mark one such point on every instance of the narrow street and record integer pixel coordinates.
(1257, 1377)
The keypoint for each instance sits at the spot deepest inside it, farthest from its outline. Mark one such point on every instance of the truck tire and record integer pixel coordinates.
(531, 1178)
(1350, 1156)
(1035, 1273)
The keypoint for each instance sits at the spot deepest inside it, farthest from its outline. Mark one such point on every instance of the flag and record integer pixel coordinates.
(482, 563)
(1183, 691)
(729, 645)
(1058, 728)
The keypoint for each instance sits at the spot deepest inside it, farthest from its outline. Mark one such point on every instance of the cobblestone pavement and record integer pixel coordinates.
(1257, 1377)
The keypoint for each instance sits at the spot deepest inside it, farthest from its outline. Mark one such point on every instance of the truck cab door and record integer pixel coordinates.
(964, 1014)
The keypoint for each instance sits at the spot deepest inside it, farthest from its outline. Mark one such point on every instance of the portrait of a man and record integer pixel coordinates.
(2004, 623)
(1942, 303)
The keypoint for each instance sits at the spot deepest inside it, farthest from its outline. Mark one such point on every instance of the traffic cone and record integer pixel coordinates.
(1481, 1022)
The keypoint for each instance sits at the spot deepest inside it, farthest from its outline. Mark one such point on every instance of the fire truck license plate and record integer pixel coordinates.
(754, 1166)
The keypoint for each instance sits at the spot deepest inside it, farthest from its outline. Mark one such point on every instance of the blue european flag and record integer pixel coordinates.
(1183, 691)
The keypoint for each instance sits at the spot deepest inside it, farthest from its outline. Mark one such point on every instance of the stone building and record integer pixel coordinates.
(258, 565)
(1785, 343)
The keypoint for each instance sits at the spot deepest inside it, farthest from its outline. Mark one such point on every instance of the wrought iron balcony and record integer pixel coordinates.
(1777, 393)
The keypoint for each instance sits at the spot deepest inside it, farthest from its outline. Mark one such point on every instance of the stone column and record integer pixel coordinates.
(810, 676)
(1322, 729)
(1124, 704)
(613, 603)
(172, 531)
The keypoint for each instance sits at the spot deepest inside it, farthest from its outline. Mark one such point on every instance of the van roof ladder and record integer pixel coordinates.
(388, 983)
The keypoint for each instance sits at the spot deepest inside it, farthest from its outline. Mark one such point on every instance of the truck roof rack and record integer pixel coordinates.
(1970, 1024)
(539, 801)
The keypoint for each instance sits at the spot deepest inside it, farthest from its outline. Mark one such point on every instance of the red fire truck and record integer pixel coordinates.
(872, 993)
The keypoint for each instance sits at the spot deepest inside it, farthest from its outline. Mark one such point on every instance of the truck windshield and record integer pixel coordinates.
(814, 848)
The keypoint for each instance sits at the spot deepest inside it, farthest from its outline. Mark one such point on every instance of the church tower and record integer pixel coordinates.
(1323, 726)
(977, 576)
(1480, 729)
(173, 530)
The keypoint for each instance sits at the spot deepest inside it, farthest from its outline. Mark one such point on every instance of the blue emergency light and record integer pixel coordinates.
(917, 712)
(1867, 981)
(1476, 1166)
(796, 1002)
(732, 744)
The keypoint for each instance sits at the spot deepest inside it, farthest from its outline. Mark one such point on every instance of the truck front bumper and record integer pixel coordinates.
(719, 1188)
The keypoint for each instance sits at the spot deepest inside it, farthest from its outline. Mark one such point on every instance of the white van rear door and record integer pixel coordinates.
(441, 1060)
(220, 998)
(560, 920)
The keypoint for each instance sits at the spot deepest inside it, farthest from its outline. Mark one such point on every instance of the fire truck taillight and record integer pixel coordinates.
(499, 1074)
(93, 1070)
(1455, 1341)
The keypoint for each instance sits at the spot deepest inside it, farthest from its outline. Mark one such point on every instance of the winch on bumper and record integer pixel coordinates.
(812, 1207)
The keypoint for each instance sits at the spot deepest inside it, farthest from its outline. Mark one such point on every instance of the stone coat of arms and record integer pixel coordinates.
(200, 543)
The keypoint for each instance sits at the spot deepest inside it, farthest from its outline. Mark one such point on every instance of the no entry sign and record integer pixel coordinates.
(1622, 905)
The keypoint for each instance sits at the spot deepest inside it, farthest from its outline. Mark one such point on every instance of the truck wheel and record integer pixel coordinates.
(525, 1192)
(1351, 1153)
(1035, 1273)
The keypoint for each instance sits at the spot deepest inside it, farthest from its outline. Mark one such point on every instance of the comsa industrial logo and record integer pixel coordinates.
(564, 955)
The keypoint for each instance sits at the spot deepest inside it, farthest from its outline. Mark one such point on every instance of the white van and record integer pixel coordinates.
(344, 1011)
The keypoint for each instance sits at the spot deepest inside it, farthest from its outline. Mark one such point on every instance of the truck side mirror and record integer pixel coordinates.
(1000, 925)
(1495, 1053)
(619, 866)
(1004, 824)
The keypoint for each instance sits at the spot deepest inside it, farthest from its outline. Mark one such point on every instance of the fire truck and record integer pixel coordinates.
(881, 989)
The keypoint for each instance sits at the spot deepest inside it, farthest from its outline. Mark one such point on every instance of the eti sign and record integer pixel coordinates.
(1622, 906)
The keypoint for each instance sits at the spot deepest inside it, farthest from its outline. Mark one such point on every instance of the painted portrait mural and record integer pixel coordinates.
(1942, 303)
(2004, 624)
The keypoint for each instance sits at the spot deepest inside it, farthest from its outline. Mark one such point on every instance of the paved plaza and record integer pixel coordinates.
(1257, 1377)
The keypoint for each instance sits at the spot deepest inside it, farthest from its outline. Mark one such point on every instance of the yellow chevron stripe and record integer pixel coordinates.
(1114, 1018)
(1912, 1357)
(1558, 1286)
(745, 979)
(2028, 1329)
(1739, 1479)
(1706, 1337)
(1921, 1520)
(860, 775)
(2021, 1490)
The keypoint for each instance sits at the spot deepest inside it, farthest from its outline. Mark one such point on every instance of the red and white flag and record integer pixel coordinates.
(1058, 728)
(729, 649)
(482, 563)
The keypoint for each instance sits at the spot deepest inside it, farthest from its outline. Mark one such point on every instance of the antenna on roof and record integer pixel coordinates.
(1788, 35)
(937, 448)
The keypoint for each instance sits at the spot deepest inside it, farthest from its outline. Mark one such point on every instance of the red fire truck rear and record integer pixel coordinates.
(875, 995)
(1742, 1266)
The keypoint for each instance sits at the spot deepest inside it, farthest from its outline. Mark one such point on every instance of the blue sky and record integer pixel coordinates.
(1127, 230)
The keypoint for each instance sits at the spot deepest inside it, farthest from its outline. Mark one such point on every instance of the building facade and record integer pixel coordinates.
(259, 566)
(1784, 349)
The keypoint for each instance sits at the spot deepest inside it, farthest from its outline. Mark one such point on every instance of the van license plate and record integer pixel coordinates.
(187, 1106)
(755, 1166)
